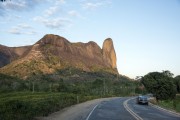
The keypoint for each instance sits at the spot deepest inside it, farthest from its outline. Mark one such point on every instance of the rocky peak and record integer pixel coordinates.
(109, 55)
(94, 46)
(92, 43)
(53, 40)
(53, 52)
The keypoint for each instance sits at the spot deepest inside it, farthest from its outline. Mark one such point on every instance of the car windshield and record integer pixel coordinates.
(143, 97)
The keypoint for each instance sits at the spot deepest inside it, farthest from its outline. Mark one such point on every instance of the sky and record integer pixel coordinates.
(145, 33)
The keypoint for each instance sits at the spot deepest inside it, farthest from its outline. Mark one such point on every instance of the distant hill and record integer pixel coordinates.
(9, 54)
(53, 53)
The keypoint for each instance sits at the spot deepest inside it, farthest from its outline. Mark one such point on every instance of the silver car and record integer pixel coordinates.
(142, 100)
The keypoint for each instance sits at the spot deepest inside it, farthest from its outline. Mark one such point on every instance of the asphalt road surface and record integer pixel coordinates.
(111, 110)
(124, 109)
(151, 113)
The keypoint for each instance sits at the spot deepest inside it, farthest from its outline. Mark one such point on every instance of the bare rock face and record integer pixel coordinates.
(80, 55)
(53, 52)
(54, 40)
(109, 55)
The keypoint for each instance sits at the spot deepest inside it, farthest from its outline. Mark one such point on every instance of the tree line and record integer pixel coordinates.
(162, 84)
(99, 86)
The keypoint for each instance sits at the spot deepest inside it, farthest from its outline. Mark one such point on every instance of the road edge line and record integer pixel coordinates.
(91, 112)
(165, 110)
(125, 104)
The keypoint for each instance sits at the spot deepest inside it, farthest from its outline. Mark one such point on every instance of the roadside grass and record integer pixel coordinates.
(28, 105)
(171, 104)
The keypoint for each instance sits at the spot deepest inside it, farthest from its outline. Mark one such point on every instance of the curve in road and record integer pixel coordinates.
(122, 108)
(128, 109)
(137, 117)
(150, 113)
(111, 110)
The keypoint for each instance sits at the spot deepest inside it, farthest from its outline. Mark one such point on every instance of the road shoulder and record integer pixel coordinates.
(165, 110)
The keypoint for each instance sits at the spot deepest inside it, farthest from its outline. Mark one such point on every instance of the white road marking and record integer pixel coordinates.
(137, 117)
(91, 112)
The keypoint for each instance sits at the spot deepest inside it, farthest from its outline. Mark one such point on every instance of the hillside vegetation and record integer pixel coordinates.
(40, 95)
(27, 105)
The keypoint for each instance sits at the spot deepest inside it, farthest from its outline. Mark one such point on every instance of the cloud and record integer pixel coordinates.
(17, 16)
(20, 28)
(9, 6)
(50, 18)
(30, 32)
(73, 13)
(54, 23)
(1, 10)
(51, 10)
(55, 8)
(57, 1)
(60, 2)
(24, 26)
(15, 30)
(18, 5)
(13, 5)
(91, 5)
(96, 4)
(19, 31)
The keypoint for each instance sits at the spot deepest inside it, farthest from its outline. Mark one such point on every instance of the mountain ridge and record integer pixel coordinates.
(53, 52)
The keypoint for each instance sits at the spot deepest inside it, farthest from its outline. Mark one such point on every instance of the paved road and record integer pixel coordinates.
(151, 113)
(115, 110)
(75, 112)
(111, 110)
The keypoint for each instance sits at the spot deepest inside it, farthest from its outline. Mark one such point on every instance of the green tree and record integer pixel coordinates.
(159, 84)
(168, 73)
(177, 83)
(62, 86)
